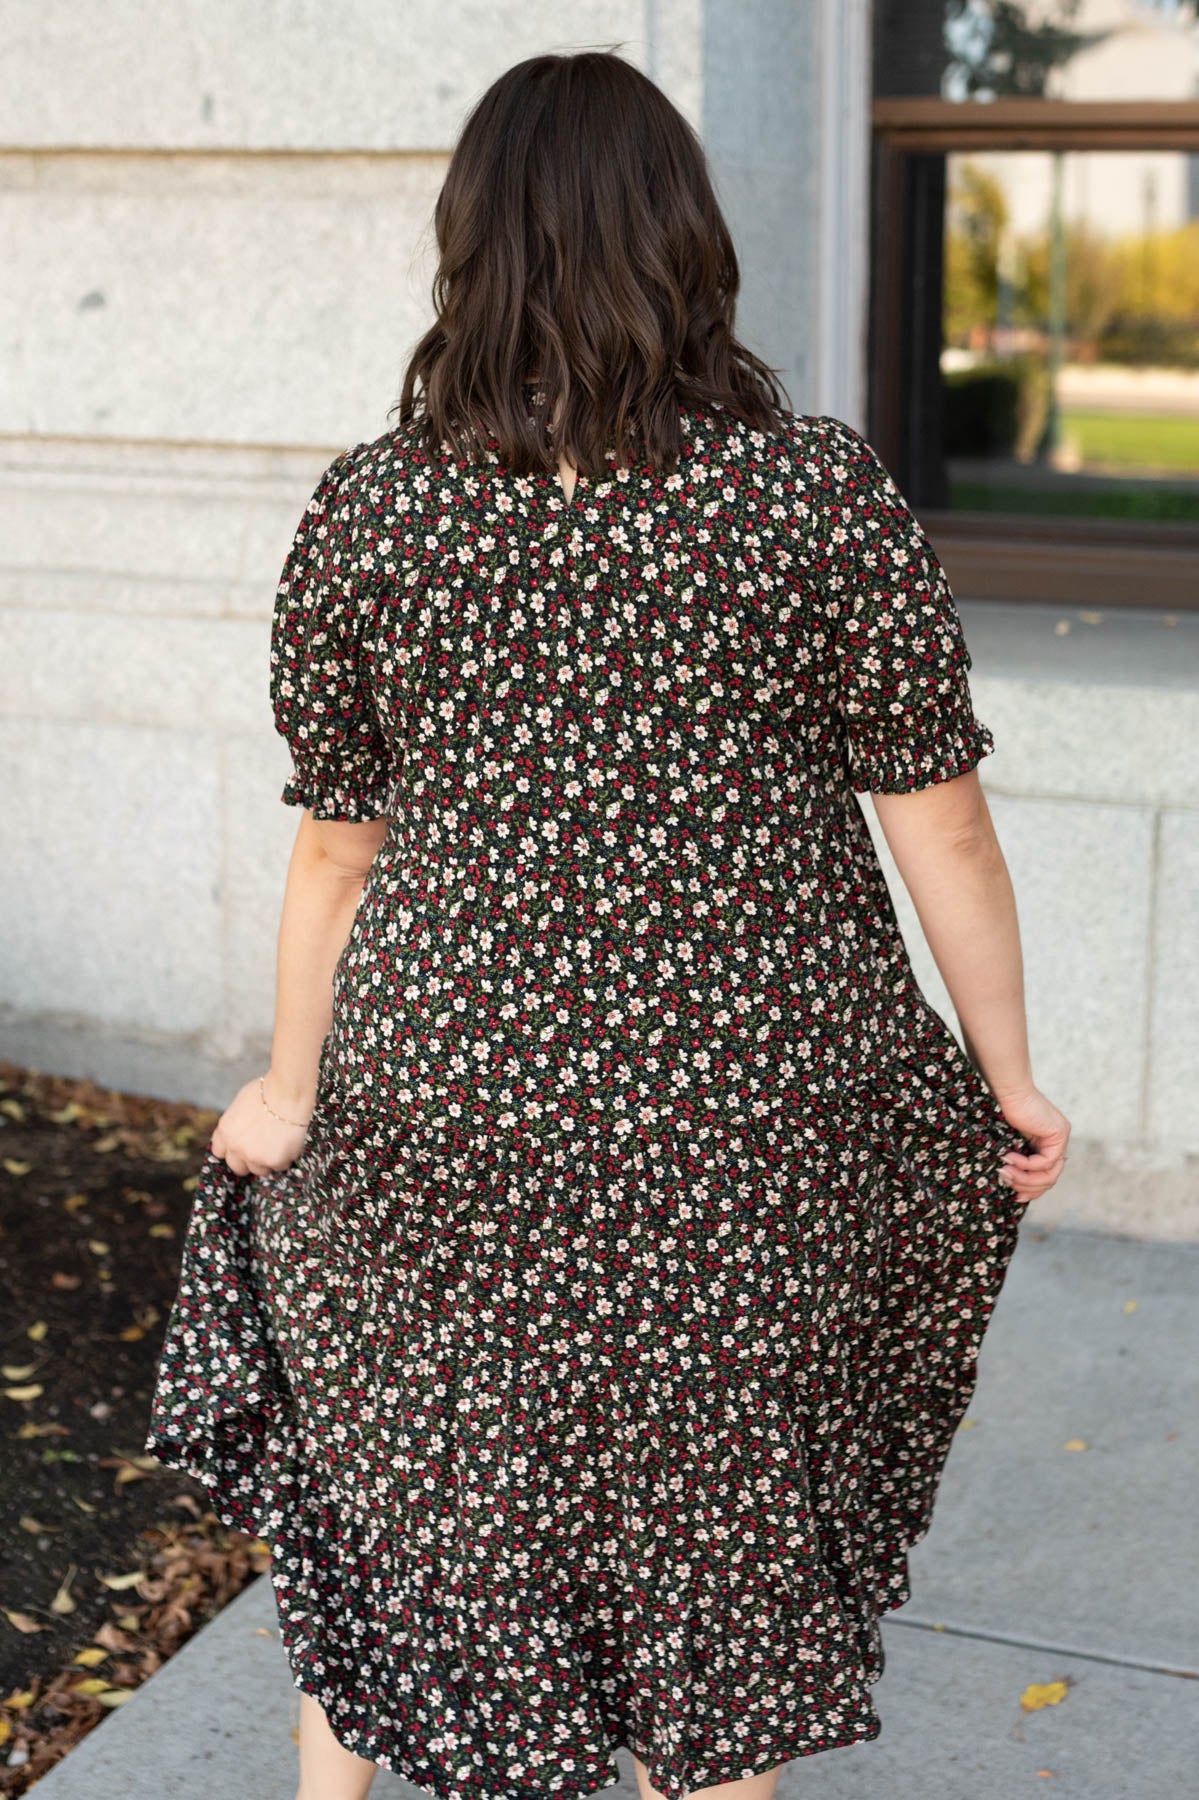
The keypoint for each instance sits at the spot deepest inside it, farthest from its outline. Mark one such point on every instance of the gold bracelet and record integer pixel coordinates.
(299, 1124)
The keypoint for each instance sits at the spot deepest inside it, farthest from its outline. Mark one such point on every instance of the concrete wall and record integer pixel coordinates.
(217, 222)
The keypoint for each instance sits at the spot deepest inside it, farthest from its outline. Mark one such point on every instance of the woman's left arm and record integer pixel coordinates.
(329, 863)
(341, 776)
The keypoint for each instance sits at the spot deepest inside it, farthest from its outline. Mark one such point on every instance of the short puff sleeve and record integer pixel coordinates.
(900, 653)
(319, 692)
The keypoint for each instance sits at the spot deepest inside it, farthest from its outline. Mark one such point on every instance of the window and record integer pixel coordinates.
(1035, 291)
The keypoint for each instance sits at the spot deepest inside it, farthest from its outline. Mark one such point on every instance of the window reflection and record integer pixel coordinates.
(1070, 364)
(1038, 49)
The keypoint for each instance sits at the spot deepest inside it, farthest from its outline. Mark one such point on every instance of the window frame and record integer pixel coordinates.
(1009, 556)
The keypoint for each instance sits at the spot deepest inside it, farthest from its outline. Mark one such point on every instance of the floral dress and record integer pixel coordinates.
(593, 1370)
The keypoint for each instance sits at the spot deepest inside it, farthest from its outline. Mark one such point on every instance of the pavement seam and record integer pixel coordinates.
(943, 1629)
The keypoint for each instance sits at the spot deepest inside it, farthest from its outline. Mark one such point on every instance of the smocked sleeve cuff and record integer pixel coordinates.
(899, 756)
(335, 794)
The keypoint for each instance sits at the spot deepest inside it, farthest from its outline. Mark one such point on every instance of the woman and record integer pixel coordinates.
(583, 1302)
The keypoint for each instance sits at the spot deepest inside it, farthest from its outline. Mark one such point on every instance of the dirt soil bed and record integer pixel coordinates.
(109, 1562)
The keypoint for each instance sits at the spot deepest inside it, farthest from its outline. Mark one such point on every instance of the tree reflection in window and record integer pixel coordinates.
(1000, 48)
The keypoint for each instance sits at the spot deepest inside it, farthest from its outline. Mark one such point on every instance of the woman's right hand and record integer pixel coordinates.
(252, 1140)
(1037, 1119)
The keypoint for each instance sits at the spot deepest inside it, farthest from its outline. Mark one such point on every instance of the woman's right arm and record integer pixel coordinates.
(944, 844)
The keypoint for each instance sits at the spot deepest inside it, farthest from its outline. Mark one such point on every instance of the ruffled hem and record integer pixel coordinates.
(898, 756)
(523, 1681)
(510, 1567)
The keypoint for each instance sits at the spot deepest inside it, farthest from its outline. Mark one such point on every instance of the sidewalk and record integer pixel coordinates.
(1043, 1565)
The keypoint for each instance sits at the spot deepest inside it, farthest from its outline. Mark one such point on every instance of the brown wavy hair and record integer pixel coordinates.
(585, 271)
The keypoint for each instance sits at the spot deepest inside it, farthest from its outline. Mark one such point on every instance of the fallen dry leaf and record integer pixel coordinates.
(1045, 1693)
(167, 1152)
(1075, 1444)
(16, 1168)
(59, 1279)
(23, 1622)
(18, 1700)
(91, 1656)
(31, 1429)
(75, 1202)
(130, 1468)
(1130, 1306)
(28, 1523)
(37, 1330)
(122, 1581)
(30, 1392)
(17, 1371)
(62, 1601)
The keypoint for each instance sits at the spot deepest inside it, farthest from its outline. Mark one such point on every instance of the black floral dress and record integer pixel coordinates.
(594, 1368)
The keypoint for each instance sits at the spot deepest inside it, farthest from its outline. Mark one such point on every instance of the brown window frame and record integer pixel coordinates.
(1009, 556)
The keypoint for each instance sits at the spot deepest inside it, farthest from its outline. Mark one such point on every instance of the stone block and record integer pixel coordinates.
(225, 75)
(261, 300)
(1113, 743)
(186, 530)
(110, 884)
(259, 834)
(125, 669)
